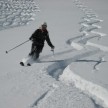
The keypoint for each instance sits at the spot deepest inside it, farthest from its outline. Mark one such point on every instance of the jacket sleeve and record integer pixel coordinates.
(48, 41)
(34, 34)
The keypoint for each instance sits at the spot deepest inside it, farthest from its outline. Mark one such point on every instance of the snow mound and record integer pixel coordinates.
(96, 92)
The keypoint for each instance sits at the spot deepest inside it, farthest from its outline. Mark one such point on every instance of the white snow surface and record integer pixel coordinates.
(15, 13)
(75, 76)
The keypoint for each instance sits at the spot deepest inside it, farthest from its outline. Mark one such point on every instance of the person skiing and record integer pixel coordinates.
(38, 38)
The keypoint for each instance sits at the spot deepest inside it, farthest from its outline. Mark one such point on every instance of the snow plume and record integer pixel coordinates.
(15, 13)
(96, 92)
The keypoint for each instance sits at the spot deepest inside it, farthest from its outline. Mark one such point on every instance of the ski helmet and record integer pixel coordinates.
(44, 24)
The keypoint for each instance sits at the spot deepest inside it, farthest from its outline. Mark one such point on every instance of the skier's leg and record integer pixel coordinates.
(38, 50)
(37, 55)
(34, 52)
(32, 49)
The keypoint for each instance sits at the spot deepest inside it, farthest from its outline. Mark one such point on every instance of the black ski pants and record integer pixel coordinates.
(36, 49)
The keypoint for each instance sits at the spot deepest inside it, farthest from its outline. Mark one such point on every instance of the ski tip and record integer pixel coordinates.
(21, 63)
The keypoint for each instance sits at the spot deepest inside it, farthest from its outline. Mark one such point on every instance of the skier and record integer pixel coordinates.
(38, 38)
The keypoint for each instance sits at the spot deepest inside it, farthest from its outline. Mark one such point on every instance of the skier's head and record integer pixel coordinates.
(44, 25)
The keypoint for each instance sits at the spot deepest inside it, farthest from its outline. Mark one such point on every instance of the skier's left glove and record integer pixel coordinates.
(52, 48)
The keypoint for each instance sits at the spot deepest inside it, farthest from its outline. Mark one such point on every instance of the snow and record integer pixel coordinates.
(103, 48)
(16, 13)
(98, 93)
(75, 75)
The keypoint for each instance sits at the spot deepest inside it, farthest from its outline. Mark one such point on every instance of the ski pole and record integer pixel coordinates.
(17, 46)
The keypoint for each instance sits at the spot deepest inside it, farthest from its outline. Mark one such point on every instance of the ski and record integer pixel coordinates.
(29, 61)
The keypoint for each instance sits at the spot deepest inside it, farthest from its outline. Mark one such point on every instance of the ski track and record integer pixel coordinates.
(60, 70)
(44, 96)
(56, 69)
(88, 25)
(16, 13)
(39, 99)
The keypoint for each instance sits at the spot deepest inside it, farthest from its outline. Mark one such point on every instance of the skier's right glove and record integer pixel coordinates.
(31, 39)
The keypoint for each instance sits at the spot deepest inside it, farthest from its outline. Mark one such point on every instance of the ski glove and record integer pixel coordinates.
(53, 47)
(31, 39)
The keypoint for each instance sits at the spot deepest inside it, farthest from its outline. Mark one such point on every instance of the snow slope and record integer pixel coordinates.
(16, 13)
(89, 86)
(75, 80)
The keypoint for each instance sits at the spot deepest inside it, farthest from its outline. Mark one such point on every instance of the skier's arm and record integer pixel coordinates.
(49, 42)
(34, 34)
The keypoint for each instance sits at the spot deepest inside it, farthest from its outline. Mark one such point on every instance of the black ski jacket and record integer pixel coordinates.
(39, 37)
